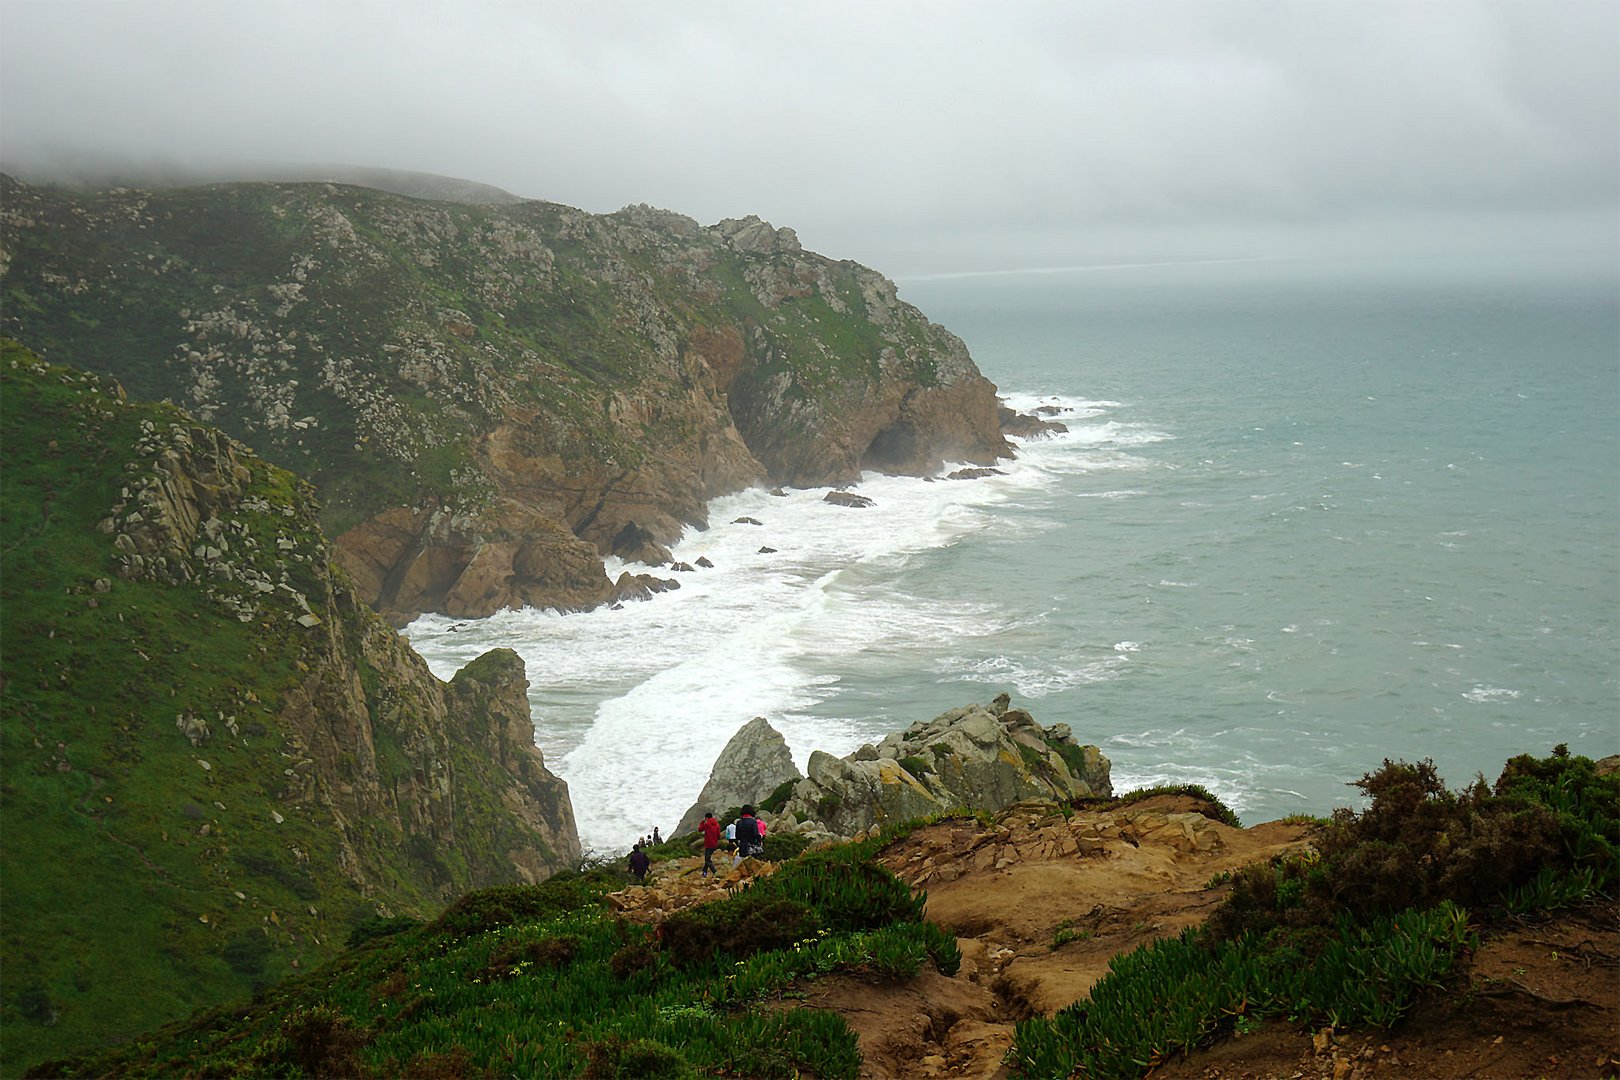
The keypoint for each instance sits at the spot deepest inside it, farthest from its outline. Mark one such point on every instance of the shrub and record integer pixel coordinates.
(377, 926)
(322, 1041)
(777, 799)
(502, 905)
(739, 927)
(634, 1059)
(916, 766)
(246, 952)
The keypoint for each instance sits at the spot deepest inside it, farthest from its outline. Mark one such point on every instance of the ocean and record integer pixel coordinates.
(1308, 515)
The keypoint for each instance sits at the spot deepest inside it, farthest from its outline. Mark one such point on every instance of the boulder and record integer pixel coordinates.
(1025, 426)
(975, 757)
(633, 543)
(974, 473)
(753, 764)
(848, 498)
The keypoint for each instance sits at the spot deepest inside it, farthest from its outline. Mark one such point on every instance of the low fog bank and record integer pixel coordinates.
(1582, 242)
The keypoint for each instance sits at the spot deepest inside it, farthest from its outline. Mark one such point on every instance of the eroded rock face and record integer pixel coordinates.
(545, 387)
(753, 764)
(462, 754)
(976, 757)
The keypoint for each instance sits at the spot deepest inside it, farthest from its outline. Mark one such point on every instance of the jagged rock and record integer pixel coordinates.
(1025, 426)
(846, 498)
(767, 551)
(975, 473)
(705, 563)
(194, 728)
(755, 762)
(975, 757)
(640, 587)
(747, 521)
(683, 568)
(635, 544)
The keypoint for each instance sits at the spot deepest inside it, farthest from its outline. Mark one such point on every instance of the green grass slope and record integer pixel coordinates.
(144, 873)
(547, 981)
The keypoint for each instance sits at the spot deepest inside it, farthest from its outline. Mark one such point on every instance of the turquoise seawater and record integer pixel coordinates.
(1309, 515)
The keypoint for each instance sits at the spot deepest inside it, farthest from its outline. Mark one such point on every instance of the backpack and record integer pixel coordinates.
(747, 831)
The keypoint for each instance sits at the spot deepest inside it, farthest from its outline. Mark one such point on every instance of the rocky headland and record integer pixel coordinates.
(489, 398)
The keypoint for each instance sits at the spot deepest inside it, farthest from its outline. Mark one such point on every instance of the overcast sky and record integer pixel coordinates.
(916, 137)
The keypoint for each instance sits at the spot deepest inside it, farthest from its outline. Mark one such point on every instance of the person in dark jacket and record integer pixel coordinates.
(639, 864)
(747, 833)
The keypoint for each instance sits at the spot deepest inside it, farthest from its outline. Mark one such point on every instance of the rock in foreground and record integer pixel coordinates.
(753, 764)
(976, 757)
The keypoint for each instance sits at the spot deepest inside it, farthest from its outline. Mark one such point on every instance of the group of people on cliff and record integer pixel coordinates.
(744, 837)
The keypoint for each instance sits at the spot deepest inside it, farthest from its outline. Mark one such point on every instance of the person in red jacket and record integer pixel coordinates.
(710, 828)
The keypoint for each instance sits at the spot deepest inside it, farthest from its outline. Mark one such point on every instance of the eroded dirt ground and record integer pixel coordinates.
(1040, 903)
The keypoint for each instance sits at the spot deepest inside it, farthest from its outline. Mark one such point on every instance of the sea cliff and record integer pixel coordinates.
(491, 398)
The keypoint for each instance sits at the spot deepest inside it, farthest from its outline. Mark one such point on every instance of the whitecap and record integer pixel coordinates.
(1480, 694)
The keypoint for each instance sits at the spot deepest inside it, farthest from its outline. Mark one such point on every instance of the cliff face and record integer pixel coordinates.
(217, 759)
(491, 398)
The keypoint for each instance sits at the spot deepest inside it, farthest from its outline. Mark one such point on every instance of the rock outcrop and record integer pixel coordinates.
(755, 762)
(976, 757)
(1026, 425)
(491, 398)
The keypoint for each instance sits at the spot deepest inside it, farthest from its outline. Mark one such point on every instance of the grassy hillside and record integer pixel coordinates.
(170, 838)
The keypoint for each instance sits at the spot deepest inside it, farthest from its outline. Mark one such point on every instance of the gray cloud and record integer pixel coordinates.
(909, 135)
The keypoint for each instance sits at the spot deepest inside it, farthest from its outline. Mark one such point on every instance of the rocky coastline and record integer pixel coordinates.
(489, 399)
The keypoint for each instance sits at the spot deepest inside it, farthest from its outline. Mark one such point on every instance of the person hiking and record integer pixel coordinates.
(639, 864)
(657, 839)
(747, 834)
(710, 828)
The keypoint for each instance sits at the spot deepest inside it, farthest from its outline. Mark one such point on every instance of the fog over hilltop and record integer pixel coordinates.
(915, 137)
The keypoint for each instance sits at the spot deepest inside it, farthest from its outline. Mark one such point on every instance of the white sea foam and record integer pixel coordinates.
(632, 706)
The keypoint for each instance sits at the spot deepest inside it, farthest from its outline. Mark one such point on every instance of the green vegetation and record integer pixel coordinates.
(1352, 935)
(177, 867)
(545, 981)
(166, 845)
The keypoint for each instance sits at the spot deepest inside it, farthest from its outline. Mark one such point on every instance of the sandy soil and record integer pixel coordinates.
(1040, 903)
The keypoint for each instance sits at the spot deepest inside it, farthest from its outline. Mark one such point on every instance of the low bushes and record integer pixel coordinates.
(1353, 934)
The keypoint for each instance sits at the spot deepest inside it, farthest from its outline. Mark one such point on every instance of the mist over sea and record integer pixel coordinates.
(1308, 515)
